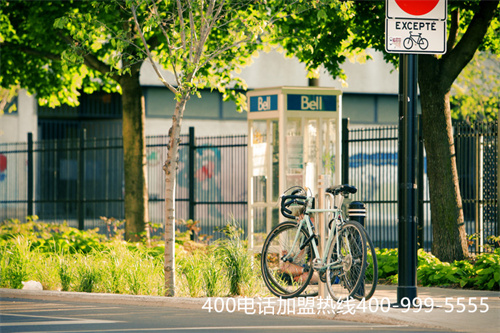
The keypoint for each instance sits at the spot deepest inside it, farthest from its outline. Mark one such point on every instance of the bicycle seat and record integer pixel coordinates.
(342, 189)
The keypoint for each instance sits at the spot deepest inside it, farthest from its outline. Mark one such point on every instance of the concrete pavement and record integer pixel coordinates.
(442, 308)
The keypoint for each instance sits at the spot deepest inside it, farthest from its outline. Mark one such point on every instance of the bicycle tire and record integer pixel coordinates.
(278, 281)
(370, 279)
(423, 44)
(408, 43)
(342, 282)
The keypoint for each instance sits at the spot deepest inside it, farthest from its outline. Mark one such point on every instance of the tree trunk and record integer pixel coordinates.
(448, 230)
(170, 168)
(134, 156)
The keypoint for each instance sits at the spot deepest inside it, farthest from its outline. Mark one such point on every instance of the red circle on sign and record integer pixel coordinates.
(417, 7)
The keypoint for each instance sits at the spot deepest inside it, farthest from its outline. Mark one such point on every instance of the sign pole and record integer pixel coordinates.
(407, 180)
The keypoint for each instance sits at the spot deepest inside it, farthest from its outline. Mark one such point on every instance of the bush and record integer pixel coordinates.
(63, 258)
(67, 259)
(47, 237)
(483, 272)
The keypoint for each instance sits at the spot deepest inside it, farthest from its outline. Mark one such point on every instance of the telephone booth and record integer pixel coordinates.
(294, 137)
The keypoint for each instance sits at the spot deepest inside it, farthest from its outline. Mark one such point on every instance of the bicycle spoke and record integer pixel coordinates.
(344, 281)
(286, 269)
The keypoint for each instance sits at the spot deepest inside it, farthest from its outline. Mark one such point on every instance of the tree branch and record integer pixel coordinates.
(452, 37)
(169, 44)
(92, 61)
(31, 51)
(141, 34)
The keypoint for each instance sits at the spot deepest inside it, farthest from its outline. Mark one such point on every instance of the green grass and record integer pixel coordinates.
(66, 259)
(62, 258)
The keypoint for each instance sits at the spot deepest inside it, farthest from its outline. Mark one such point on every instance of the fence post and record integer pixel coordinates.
(30, 174)
(192, 188)
(420, 185)
(478, 138)
(345, 151)
(498, 176)
(80, 187)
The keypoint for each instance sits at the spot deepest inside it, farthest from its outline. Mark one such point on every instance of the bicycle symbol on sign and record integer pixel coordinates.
(418, 39)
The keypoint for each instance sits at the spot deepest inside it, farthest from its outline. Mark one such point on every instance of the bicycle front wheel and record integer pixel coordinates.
(287, 266)
(369, 282)
(346, 262)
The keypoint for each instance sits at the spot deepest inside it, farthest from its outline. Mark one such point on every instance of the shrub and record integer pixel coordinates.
(483, 272)
(237, 260)
(14, 262)
(387, 262)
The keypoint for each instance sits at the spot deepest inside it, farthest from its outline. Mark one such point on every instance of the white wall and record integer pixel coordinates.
(160, 126)
(273, 69)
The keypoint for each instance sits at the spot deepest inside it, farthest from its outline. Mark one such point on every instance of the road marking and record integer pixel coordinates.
(53, 321)
(58, 308)
(232, 328)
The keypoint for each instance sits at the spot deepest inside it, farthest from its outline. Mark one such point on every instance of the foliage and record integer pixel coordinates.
(58, 50)
(15, 258)
(114, 266)
(39, 59)
(47, 237)
(475, 93)
(317, 33)
(481, 272)
(222, 269)
(236, 259)
(387, 262)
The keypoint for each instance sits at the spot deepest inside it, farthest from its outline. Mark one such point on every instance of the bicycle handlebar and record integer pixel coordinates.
(288, 200)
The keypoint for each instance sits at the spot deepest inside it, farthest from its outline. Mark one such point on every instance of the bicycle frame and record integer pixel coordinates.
(333, 234)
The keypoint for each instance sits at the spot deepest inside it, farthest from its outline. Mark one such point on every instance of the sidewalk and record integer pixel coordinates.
(473, 310)
(453, 309)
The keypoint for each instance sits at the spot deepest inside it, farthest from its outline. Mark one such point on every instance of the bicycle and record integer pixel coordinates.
(290, 256)
(423, 43)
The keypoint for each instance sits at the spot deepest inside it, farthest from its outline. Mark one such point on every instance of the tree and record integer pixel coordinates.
(85, 51)
(472, 25)
(206, 41)
(435, 78)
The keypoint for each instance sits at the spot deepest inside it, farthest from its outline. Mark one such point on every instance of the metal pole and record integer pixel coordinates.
(321, 225)
(407, 192)
(345, 151)
(420, 185)
(498, 176)
(81, 181)
(192, 188)
(30, 174)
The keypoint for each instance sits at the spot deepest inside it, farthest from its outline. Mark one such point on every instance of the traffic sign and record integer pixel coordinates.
(416, 26)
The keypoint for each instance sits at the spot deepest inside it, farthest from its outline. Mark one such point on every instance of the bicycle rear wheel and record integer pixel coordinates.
(370, 279)
(288, 278)
(347, 264)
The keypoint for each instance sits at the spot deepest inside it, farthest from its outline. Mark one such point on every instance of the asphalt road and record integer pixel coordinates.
(39, 315)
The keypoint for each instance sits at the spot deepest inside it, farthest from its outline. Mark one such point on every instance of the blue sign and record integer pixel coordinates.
(312, 102)
(263, 103)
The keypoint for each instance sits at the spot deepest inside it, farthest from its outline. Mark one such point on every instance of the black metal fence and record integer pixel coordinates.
(373, 165)
(80, 179)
